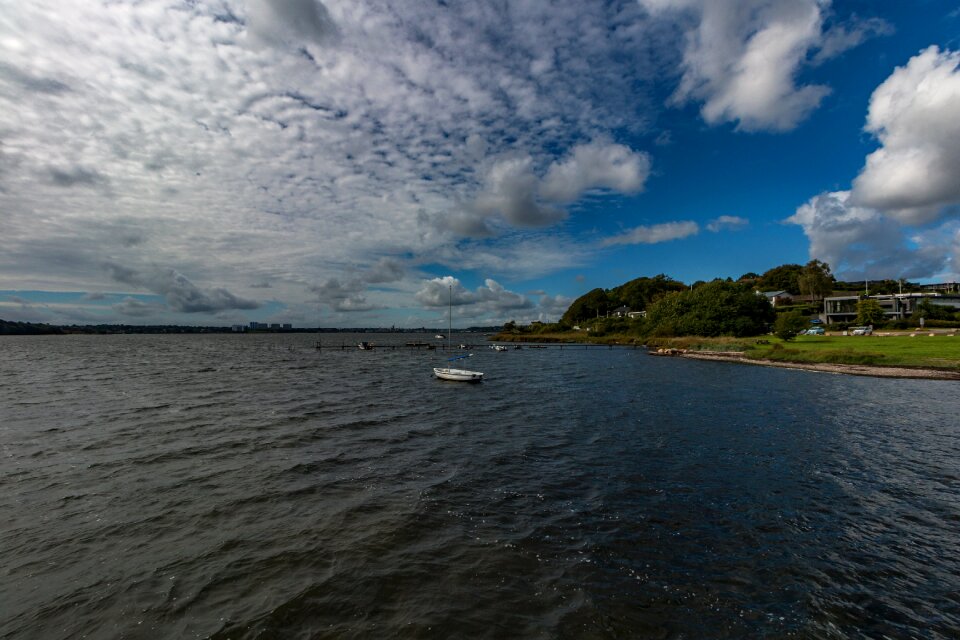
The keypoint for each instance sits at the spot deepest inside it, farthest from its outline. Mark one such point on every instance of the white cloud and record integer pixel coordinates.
(858, 242)
(742, 57)
(914, 114)
(727, 223)
(441, 292)
(596, 165)
(656, 233)
(494, 295)
(515, 192)
(511, 191)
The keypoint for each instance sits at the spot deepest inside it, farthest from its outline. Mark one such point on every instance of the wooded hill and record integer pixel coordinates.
(813, 280)
(717, 308)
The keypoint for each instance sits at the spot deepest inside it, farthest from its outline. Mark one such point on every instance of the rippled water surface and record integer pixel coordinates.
(249, 486)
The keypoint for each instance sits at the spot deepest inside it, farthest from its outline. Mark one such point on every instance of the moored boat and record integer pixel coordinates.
(457, 375)
(448, 373)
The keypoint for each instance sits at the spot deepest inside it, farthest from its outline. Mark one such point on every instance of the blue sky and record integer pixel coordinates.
(346, 163)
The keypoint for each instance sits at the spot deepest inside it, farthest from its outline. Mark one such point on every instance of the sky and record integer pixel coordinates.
(364, 163)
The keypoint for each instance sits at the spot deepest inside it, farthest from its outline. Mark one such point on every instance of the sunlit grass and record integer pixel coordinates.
(939, 351)
(920, 351)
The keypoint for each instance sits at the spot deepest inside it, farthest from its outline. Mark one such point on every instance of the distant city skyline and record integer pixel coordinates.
(349, 163)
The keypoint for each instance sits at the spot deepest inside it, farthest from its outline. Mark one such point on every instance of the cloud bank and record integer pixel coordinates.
(298, 143)
(340, 153)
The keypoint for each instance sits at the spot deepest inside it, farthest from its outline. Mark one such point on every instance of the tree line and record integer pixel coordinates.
(645, 294)
(723, 306)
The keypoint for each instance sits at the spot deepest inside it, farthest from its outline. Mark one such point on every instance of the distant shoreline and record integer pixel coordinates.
(922, 373)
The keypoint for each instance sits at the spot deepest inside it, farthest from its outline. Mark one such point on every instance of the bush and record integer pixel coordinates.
(712, 309)
(788, 325)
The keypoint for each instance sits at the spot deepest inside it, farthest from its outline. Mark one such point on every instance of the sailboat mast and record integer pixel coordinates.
(449, 315)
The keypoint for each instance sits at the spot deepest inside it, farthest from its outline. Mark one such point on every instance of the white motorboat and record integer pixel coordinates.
(498, 347)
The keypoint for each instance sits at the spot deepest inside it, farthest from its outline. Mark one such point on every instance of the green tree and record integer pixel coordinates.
(713, 309)
(930, 311)
(782, 278)
(815, 279)
(788, 325)
(640, 293)
(869, 312)
(592, 304)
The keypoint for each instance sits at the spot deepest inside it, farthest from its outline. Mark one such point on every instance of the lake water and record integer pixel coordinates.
(249, 486)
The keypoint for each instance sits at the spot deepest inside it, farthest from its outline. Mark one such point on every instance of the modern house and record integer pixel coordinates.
(897, 306)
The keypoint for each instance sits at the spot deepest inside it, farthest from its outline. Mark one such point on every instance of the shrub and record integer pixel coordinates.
(788, 325)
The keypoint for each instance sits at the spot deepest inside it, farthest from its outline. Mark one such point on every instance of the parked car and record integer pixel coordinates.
(861, 331)
(815, 331)
(816, 321)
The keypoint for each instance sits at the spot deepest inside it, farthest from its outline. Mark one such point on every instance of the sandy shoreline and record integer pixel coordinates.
(848, 369)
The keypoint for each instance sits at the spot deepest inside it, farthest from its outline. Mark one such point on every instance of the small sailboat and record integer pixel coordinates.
(449, 373)
(458, 375)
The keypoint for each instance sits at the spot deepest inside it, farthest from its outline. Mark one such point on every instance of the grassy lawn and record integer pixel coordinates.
(941, 351)
(938, 352)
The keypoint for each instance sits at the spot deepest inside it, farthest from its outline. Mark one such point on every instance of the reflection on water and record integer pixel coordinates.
(250, 486)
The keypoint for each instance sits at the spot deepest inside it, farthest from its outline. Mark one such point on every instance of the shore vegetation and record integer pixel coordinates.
(734, 318)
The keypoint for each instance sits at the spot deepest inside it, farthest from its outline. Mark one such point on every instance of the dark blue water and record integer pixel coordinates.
(233, 486)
